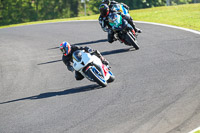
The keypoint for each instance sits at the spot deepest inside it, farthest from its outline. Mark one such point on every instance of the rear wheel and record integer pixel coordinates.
(96, 76)
(130, 39)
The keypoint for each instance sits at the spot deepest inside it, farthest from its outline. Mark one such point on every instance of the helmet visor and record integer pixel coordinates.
(63, 50)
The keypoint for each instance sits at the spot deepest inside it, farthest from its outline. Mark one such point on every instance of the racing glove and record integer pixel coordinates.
(70, 68)
(88, 49)
(105, 29)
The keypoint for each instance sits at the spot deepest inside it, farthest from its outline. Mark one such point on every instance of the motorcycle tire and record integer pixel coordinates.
(94, 74)
(131, 41)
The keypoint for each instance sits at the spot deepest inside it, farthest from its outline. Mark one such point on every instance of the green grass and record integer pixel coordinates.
(187, 16)
(197, 131)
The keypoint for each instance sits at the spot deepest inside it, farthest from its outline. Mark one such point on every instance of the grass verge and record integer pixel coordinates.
(187, 16)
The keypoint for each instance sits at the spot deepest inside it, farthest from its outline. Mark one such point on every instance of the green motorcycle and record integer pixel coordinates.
(122, 30)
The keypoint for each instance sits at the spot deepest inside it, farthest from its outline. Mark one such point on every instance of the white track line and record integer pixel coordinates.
(142, 22)
(197, 129)
(171, 26)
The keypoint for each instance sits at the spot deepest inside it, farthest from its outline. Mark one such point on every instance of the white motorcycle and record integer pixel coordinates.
(91, 67)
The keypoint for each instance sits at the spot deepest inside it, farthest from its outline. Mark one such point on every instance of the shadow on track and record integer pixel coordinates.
(49, 62)
(85, 43)
(92, 42)
(59, 93)
(117, 51)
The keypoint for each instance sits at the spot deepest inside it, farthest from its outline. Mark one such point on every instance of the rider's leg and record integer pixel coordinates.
(98, 54)
(130, 21)
(110, 36)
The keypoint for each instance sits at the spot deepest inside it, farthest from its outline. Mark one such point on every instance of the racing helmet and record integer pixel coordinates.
(65, 48)
(104, 10)
(106, 2)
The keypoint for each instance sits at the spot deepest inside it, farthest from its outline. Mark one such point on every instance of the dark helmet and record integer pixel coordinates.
(104, 10)
(106, 2)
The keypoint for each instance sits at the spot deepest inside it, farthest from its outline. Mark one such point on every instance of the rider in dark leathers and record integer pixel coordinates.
(68, 50)
(128, 18)
(111, 3)
(105, 10)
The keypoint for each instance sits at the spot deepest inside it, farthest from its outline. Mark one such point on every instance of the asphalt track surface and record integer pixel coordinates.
(157, 88)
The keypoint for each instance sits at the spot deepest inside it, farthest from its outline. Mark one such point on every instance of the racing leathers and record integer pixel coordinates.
(104, 22)
(67, 60)
(128, 18)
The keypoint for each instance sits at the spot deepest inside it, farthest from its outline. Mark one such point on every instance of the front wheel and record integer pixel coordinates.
(112, 77)
(94, 74)
(130, 40)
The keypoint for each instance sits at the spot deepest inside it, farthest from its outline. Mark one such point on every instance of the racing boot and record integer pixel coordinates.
(105, 62)
(138, 30)
(134, 27)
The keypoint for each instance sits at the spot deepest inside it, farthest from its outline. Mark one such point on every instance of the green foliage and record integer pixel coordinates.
(20, 11)
(186, 16)
(94, 6)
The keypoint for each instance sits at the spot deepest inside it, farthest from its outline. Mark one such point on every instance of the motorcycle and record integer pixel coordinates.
(122, 30)
(91, 67)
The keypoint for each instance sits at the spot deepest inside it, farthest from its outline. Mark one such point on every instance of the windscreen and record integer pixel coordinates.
(77, 55)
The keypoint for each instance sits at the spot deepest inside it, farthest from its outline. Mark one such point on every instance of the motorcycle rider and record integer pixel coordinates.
(128, 18)
(103, 21)
(111, 3)
(67, 49)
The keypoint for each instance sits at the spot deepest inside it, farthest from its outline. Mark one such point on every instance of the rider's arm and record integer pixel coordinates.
(87, 49)
(103, 24)
(67, 61)
(124, 16)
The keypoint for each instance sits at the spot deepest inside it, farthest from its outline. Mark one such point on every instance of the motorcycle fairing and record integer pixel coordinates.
(115, 21)
(80, 59)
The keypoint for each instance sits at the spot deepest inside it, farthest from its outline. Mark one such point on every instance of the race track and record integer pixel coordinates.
(157, 88)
